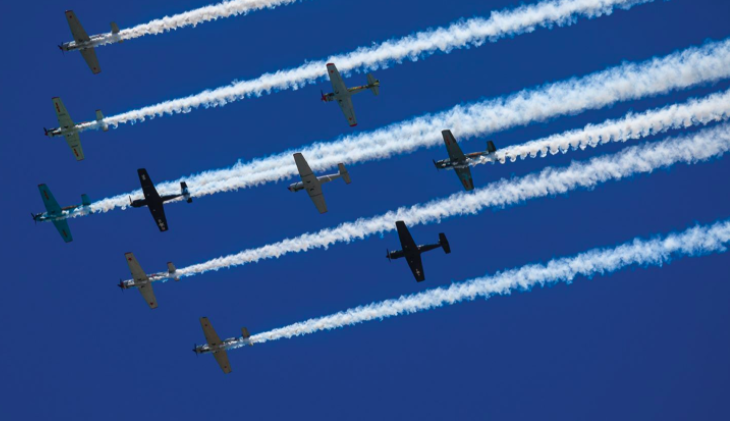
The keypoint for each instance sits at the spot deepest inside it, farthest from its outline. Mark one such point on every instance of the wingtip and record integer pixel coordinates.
(353, 125)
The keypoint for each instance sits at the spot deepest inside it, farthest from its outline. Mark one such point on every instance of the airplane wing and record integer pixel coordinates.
(140, 276)
(213, 341)
(311, 183)
(222, 358)
(337, 83)
(65, 122)
(62, 227)
(77, 30)
(48, 200)
(154, 203)
(452, 147)
(148, 188)
(90, 56)
(414, 262)
(347, 108)
(148, 294)
(406, 241)
(158, 213)
(464, 174)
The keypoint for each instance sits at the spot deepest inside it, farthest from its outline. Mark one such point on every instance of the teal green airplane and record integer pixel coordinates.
(57, 214)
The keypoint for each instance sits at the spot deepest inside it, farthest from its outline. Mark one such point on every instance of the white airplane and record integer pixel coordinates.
(313, 184)
(144, 282)
(85, 43)
(342, 93)
(217, 347)
(68, 129)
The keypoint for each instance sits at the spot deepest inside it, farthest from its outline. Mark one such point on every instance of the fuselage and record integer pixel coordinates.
(421, 249)
(224, 346)
(63, 214)
(334, 96)
(450, 163)
(145, 202)
(299, 185)
(93, 41)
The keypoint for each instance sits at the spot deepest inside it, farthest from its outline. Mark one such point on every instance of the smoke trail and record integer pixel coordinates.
(192, 18)
(696, 241)
(472, 120)
(472, 32)
(632, 161)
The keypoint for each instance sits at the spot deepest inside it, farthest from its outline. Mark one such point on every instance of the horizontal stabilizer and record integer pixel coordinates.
(490, 147)
(444, 243)
(343, 173)
(171, 270)
(185, 192)
(374, 84)
(100, 121)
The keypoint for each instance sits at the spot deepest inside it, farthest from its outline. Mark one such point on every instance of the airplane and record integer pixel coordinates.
(84, 43)
(154, 201)
(217, 347)
(68, 129)
(412, 252)
(144, 282)
(313, 184)
(342, 93)
(458, 161)
(57, 214)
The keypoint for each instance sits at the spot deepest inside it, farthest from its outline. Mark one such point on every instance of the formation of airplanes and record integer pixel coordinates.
(410, 250)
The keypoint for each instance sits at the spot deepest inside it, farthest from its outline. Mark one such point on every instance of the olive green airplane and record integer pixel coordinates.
(313, 183)
(217, 347)
(342, 93)
(68, 129)
(57, 214)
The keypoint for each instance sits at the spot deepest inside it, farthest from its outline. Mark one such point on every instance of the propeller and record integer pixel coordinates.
(387, 255)
(34, 215)
(60, 47)
(324, 97)
(195, 349)
(130, 200)
(45, 131)
(121, 285)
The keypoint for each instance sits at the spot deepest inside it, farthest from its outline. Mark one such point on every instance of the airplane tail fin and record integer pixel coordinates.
(186, 192)
(171, 270)
(374, 84)
(100, 121)
(490, 147)
(444, 243)
(85, 200)
(115, 29)
(244, 333)
(343, 173)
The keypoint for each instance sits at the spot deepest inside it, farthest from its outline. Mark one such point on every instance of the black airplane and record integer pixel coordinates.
(154, 201)
(412, 252)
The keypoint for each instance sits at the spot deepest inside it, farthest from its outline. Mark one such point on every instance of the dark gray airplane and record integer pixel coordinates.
(412, 252)
(154, 201)
(460, 161)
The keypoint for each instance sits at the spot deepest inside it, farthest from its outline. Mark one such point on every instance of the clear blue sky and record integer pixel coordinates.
(640, 344)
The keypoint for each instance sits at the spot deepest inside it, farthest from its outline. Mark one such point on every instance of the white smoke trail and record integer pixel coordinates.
(696, 241)
(472, 32)
(192, 18)
(632, 161)
(482, 118)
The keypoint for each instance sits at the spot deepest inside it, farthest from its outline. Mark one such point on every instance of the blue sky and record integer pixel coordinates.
(639, 344)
